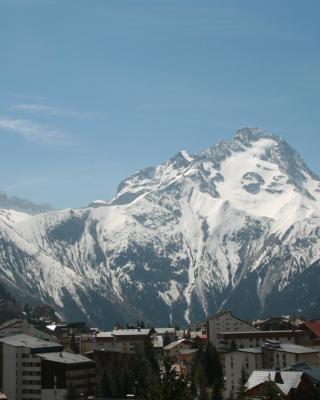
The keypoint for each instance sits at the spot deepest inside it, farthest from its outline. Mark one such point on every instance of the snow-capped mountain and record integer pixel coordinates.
(235, 226)
(22, 205)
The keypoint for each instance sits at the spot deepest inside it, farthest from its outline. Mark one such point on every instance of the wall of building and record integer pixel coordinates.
(225, 323)
(233, 363)
(250, 342)
(8, 371)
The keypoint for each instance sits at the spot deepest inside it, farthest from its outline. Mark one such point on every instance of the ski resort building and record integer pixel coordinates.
(34, 369)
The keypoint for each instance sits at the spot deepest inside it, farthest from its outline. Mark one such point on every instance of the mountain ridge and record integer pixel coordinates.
(178, 241)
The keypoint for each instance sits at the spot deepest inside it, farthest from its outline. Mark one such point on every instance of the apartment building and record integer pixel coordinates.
(224, 321)
(240, 339)
(271, 355)
(34, 369)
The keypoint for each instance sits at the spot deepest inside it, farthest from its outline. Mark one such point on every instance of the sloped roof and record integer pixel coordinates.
(30, 342)
(310, 370)
(104, 335)
(10, 323)
(174, 344)
(130, 332)
(291, 379)
(64, 357)
(293, 348)
(314, 327)
(218, 314)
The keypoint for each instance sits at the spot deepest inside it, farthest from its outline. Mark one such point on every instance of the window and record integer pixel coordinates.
(31, 382)
(31, 391)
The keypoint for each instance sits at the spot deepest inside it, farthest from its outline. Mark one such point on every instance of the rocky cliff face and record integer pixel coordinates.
(235, 226)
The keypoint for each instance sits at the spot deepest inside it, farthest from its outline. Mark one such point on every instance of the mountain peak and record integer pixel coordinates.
(249, 134)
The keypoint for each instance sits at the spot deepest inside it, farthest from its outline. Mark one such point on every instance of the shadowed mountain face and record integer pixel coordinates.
(235, 226)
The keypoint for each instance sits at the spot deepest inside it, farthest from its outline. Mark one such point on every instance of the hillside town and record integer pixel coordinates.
(221, 358)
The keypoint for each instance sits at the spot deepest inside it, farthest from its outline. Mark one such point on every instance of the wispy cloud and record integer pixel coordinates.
(55, 111)
(34, 131)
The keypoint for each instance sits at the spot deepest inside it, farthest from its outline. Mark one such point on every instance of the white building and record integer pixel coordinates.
(271, 355)
(34, 369)
(224, 321)
(250, 359)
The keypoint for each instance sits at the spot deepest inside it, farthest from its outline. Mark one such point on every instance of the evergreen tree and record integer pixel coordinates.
(217, 392)
(73, 344)
(242, 383)
(271, 391)
(213, 366)
(170, 386)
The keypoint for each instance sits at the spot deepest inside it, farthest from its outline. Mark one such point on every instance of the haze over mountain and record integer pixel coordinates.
(237, 226)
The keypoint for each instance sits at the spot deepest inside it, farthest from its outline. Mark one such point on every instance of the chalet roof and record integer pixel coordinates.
(314, 328)
(291, 379)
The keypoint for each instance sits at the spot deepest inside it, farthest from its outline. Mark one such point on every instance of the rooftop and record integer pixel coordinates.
(314, 327)
(291, 379)
(30, 342)
(130, 332)
(219, 314)
(254, 350)
(172, 345)
(293, 348)
(311, 370)
(162, 331)
(269, 334)
(64, 357)
(104, 335)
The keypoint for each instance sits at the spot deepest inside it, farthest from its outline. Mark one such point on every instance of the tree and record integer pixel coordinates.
(213, 366)
(242, 383)
(272, 392)
(73, 344)
(170, 387)
(71, 393)
(217, 392)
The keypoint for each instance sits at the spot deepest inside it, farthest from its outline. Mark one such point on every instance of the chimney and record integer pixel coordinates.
(278, 377)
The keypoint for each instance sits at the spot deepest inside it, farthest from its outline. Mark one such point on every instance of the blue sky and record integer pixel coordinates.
(91, 91)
